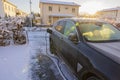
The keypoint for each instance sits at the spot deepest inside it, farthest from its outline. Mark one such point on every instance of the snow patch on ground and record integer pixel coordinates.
(14, 62)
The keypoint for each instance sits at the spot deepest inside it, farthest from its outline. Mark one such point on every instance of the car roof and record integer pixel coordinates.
(85, 20)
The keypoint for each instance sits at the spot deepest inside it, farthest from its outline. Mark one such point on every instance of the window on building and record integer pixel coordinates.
(59, 9)
(9, 8)
(5, 6)
(66, 8)
(50, 8)
(73, 10)
(12, 9)
(50, 20)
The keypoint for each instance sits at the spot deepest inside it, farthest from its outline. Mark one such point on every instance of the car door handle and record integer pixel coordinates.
(61, 38)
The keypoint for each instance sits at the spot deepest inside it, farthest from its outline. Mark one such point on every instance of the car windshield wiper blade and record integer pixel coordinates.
(100, 41)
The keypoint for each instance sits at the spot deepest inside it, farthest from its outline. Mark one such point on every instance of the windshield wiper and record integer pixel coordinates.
(103, 41)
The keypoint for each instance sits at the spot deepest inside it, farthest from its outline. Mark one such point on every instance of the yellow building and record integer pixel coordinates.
(2, 14)
(51, 11)
(9, 8)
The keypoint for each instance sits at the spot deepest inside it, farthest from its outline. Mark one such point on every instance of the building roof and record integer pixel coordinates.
(59, 2)
(111, 9)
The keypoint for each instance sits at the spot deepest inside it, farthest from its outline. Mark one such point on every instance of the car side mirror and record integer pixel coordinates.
(49, 31)
(73, 37)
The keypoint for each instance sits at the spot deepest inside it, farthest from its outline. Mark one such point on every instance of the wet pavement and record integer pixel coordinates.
(44, 69)
(32, 61)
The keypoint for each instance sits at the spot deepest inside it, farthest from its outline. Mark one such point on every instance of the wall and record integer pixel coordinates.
(10, 10)
(44, 10)
(2, 14)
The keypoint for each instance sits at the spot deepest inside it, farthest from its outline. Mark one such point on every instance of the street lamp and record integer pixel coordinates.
(30, 6)
(30, 14)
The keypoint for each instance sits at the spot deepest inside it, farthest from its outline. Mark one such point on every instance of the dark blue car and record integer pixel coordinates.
(90, 47)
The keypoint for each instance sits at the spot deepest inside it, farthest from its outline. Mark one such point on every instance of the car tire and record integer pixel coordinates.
(93, 78)
(52, 47)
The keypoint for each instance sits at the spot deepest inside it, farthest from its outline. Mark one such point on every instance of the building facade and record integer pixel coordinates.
(51, 11)
(2, 14)
(8, 9)
(112, 14)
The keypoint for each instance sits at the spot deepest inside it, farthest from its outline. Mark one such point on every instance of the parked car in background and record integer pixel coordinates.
(90, 47)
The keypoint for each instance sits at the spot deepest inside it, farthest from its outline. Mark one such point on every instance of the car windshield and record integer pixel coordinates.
(99, 31)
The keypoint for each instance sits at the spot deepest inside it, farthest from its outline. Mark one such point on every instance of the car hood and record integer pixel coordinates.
(111, 50)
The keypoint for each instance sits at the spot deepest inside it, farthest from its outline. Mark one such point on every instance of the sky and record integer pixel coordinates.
(89, 6)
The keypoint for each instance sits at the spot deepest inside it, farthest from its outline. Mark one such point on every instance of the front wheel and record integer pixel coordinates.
(93, 78)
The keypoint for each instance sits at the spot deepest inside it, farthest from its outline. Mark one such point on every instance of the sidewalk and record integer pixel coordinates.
(38, 47)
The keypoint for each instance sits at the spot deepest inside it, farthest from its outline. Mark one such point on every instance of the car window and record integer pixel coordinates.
(99, 31)
(60, 26)
(69, 28)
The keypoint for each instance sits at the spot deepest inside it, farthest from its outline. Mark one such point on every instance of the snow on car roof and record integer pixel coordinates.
(85, 19)
(59, 2)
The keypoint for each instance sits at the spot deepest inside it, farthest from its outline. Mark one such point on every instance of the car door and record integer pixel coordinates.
(58, 30)
(69, 48)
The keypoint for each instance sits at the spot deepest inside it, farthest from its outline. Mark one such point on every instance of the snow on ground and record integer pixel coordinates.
(31, 61)
(14, 62)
